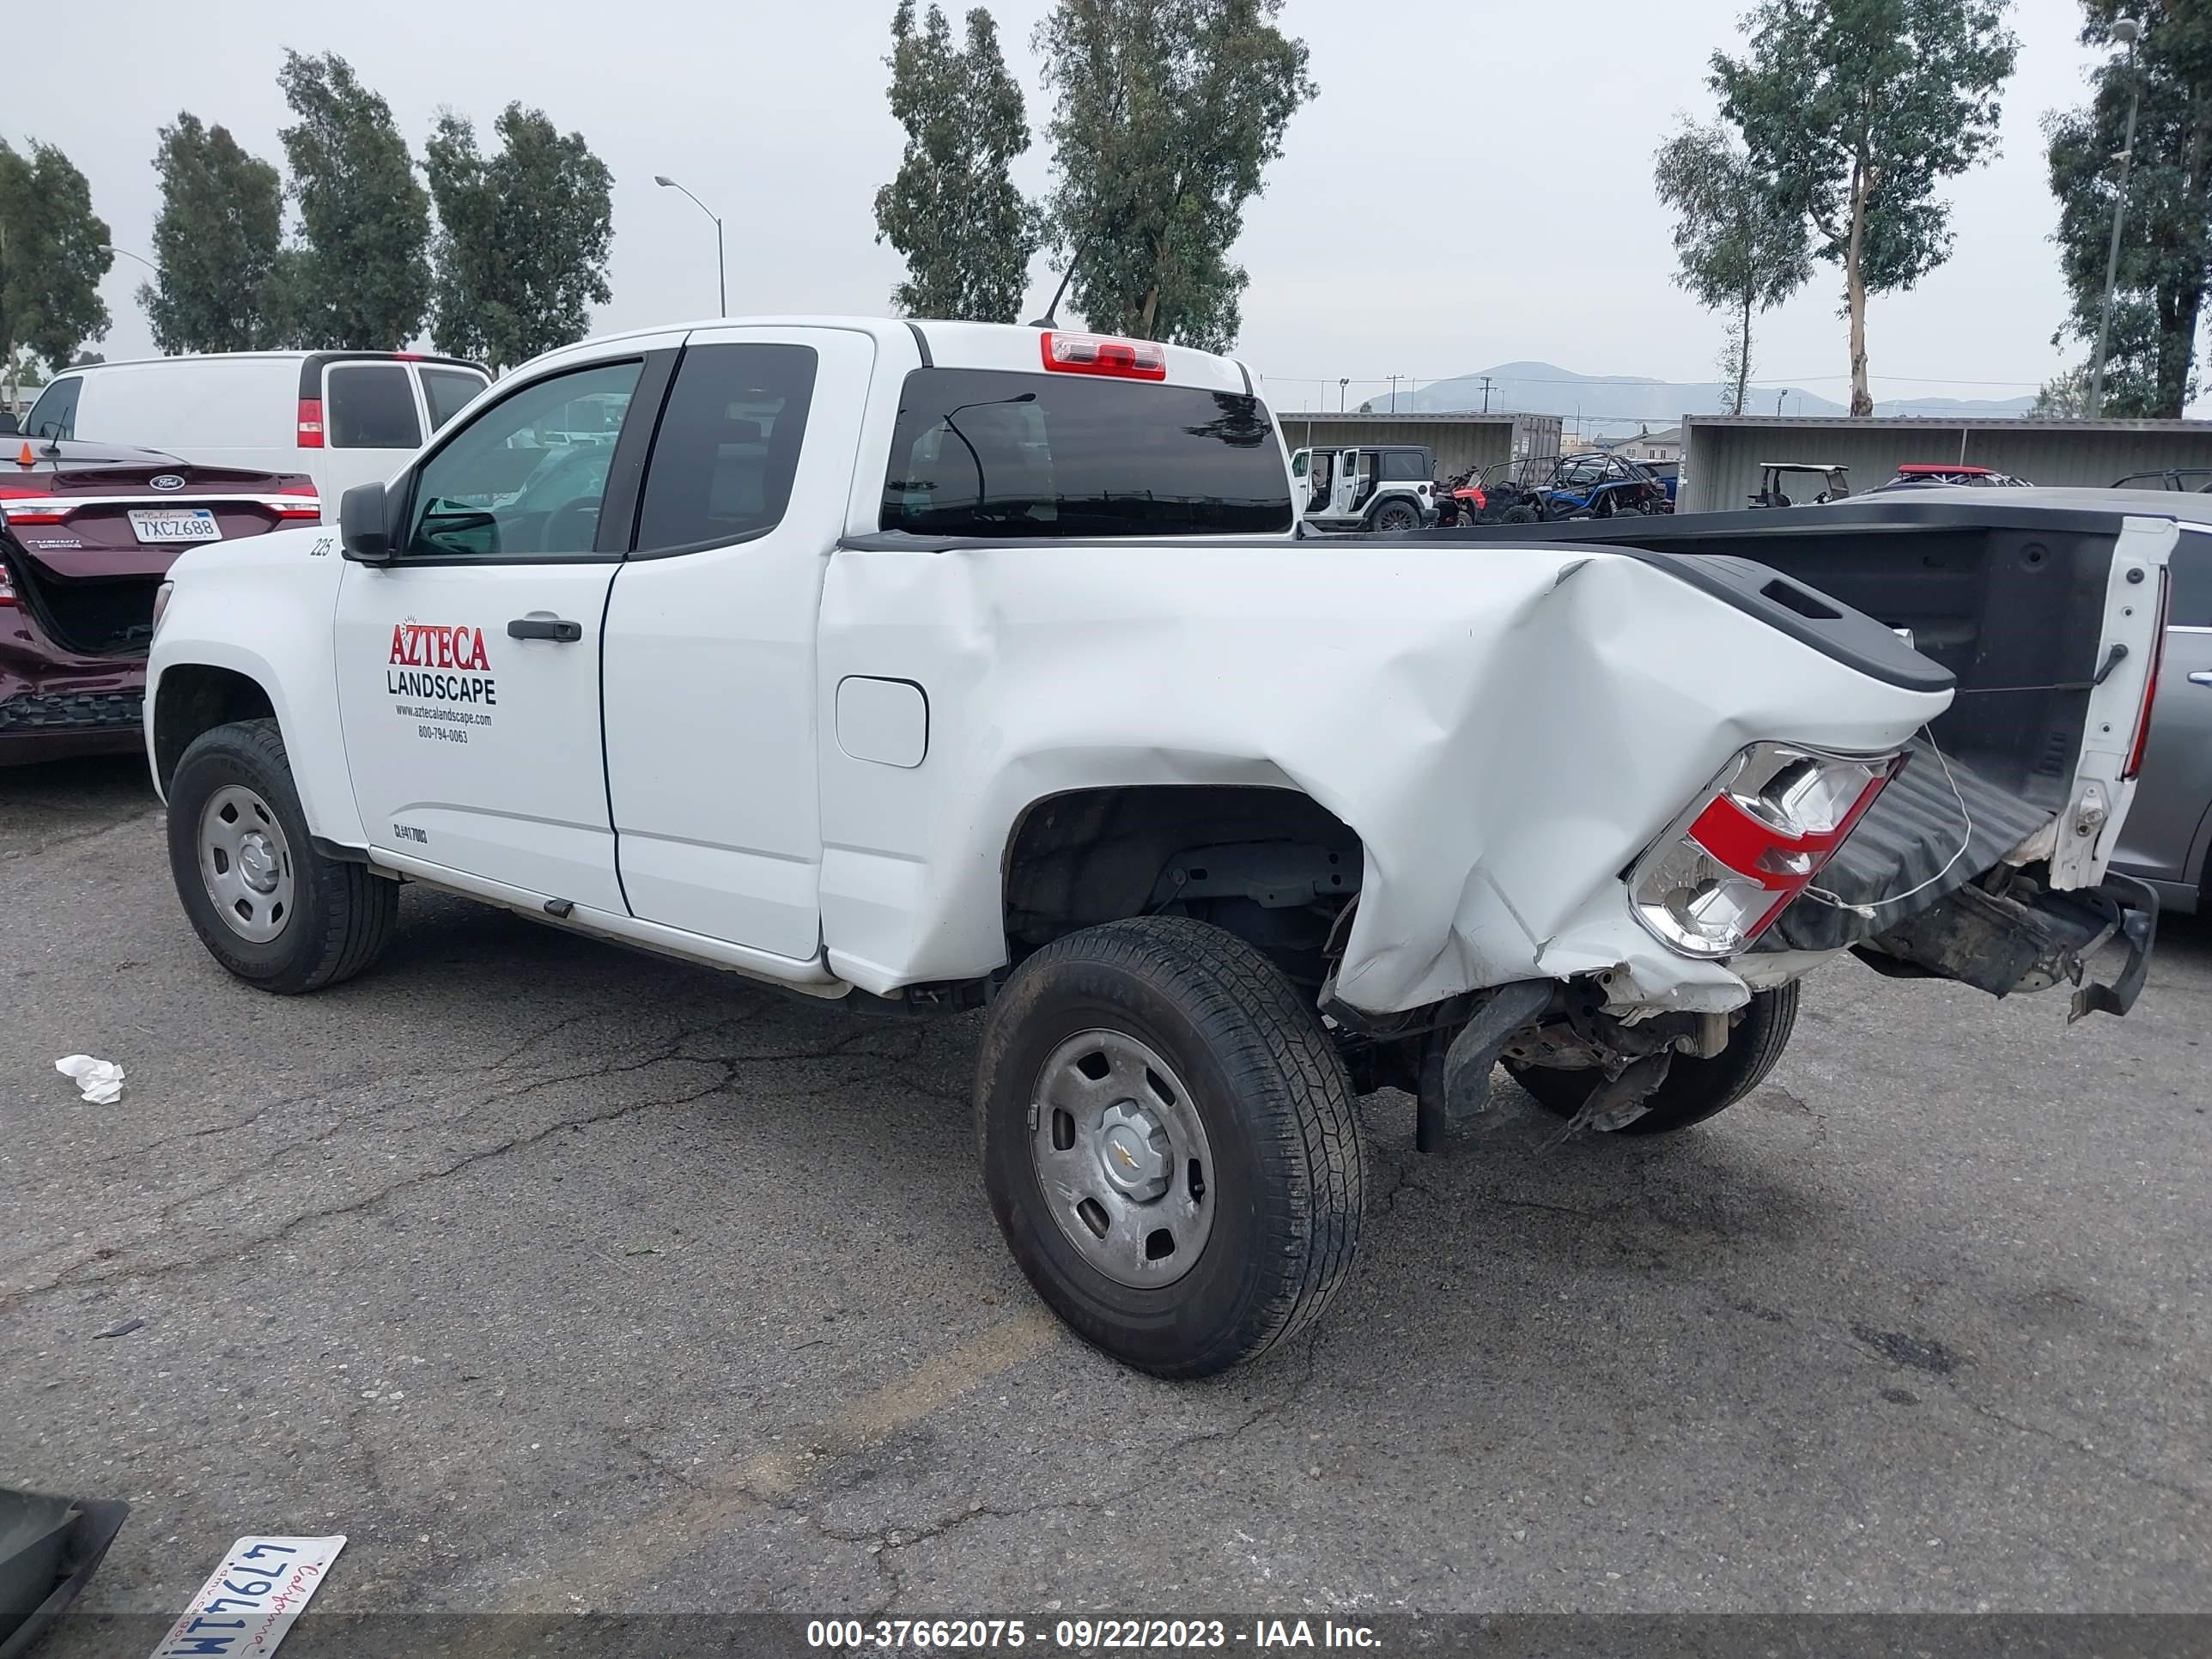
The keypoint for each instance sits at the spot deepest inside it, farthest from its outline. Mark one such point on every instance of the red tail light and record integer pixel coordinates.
(1752, 842)
(297, 506)
(310, 423)
(35, 509)
(1103, 353)
(2150, 687)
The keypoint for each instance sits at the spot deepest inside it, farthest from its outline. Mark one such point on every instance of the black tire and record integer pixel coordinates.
(1287, 1185)
(340, 916)
(1695, 1089)
(1398, 514)
(1520, 515)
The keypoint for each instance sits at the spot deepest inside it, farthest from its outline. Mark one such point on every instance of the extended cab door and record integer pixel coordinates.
(468, 668)
(710, 642)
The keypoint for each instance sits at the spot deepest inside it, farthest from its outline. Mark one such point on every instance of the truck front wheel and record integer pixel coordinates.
(1168, 1144)
(266, 904)
(1695, 1089)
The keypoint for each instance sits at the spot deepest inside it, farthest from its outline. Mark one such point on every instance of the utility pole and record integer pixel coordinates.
(1394, 394)
(2128, 30)
(1486, 394)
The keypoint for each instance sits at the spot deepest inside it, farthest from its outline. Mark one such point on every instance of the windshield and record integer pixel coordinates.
(983, 452)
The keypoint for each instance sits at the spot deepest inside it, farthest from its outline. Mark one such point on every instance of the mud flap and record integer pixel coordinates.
(1456, 1080)
(2002, 944)
(2138, 903)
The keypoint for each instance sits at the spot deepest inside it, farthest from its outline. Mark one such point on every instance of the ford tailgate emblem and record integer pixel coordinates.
(165, 481)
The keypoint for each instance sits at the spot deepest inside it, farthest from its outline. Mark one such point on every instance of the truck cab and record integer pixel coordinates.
(1390, 487)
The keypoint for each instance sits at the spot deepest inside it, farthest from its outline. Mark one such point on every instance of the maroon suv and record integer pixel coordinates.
(86, 533)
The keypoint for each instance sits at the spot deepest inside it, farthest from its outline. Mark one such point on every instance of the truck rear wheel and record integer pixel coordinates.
(1168, 1144)
(1695, 1089)
(266, 904)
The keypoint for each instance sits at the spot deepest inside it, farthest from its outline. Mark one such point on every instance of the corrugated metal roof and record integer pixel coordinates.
(1379, 417)
(1912, 422)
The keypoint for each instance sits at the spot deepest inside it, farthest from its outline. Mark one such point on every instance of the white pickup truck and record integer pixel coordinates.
(936, 666)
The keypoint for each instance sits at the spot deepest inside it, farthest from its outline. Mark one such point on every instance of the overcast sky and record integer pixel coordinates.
(1472, 185)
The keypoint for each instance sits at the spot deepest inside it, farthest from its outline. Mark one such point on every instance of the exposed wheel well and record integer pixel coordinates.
(193, 698)
(1277, 868)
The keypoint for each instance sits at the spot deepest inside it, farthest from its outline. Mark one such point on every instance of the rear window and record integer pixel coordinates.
(56, 408)
(983, 452)
(371, 406)
(447, 391)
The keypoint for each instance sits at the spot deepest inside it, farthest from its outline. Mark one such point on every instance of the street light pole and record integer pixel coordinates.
(721, 268)
(1343, 384)
(140, 257)
(2128, 31)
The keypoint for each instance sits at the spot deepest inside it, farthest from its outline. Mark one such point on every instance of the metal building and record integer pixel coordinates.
(1459, 441)
(1722, 454)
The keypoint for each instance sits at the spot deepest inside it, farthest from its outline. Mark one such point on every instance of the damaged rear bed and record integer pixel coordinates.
(1984, 860)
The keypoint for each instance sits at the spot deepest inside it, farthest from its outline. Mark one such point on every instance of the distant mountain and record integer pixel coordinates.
(1617, 405)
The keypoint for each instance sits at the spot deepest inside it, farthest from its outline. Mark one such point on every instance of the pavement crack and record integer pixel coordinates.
(75, 1274)
(2174, 1488)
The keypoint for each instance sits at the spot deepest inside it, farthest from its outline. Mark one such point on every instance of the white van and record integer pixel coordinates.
(342, 417)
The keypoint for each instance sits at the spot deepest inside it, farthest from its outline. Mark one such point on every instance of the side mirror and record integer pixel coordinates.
(8, 427)
(365, 525)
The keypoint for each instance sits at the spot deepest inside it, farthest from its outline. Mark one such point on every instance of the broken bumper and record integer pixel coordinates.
(2003, 942)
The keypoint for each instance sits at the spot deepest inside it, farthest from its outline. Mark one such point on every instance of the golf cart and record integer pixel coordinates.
(1800, 483)
(1389, 487)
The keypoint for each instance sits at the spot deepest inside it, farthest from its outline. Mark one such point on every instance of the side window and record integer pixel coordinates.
(1402, 467)
(728, 445)
(510, 483)
(1298, 464)
(447, 391)
(55, 408)
(2189, 601)
(370, 406)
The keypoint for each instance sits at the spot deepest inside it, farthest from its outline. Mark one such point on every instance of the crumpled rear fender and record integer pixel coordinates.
(1504, 729)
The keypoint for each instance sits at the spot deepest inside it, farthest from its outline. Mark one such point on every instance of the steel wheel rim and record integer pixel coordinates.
(1122, 1158)
(245, 864)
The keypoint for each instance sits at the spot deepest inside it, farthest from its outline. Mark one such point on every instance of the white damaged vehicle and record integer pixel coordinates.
(921, 667)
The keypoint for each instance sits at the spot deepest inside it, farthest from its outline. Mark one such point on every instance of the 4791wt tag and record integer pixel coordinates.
(250, 1600)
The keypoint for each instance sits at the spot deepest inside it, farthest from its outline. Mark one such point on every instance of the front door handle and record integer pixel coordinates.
(544, 627)
(2202, 677)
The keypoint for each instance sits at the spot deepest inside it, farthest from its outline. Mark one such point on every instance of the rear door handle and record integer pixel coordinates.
(2202, 677)
(544, 627)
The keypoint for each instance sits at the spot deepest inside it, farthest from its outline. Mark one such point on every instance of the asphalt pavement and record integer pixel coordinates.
(561, 1277)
